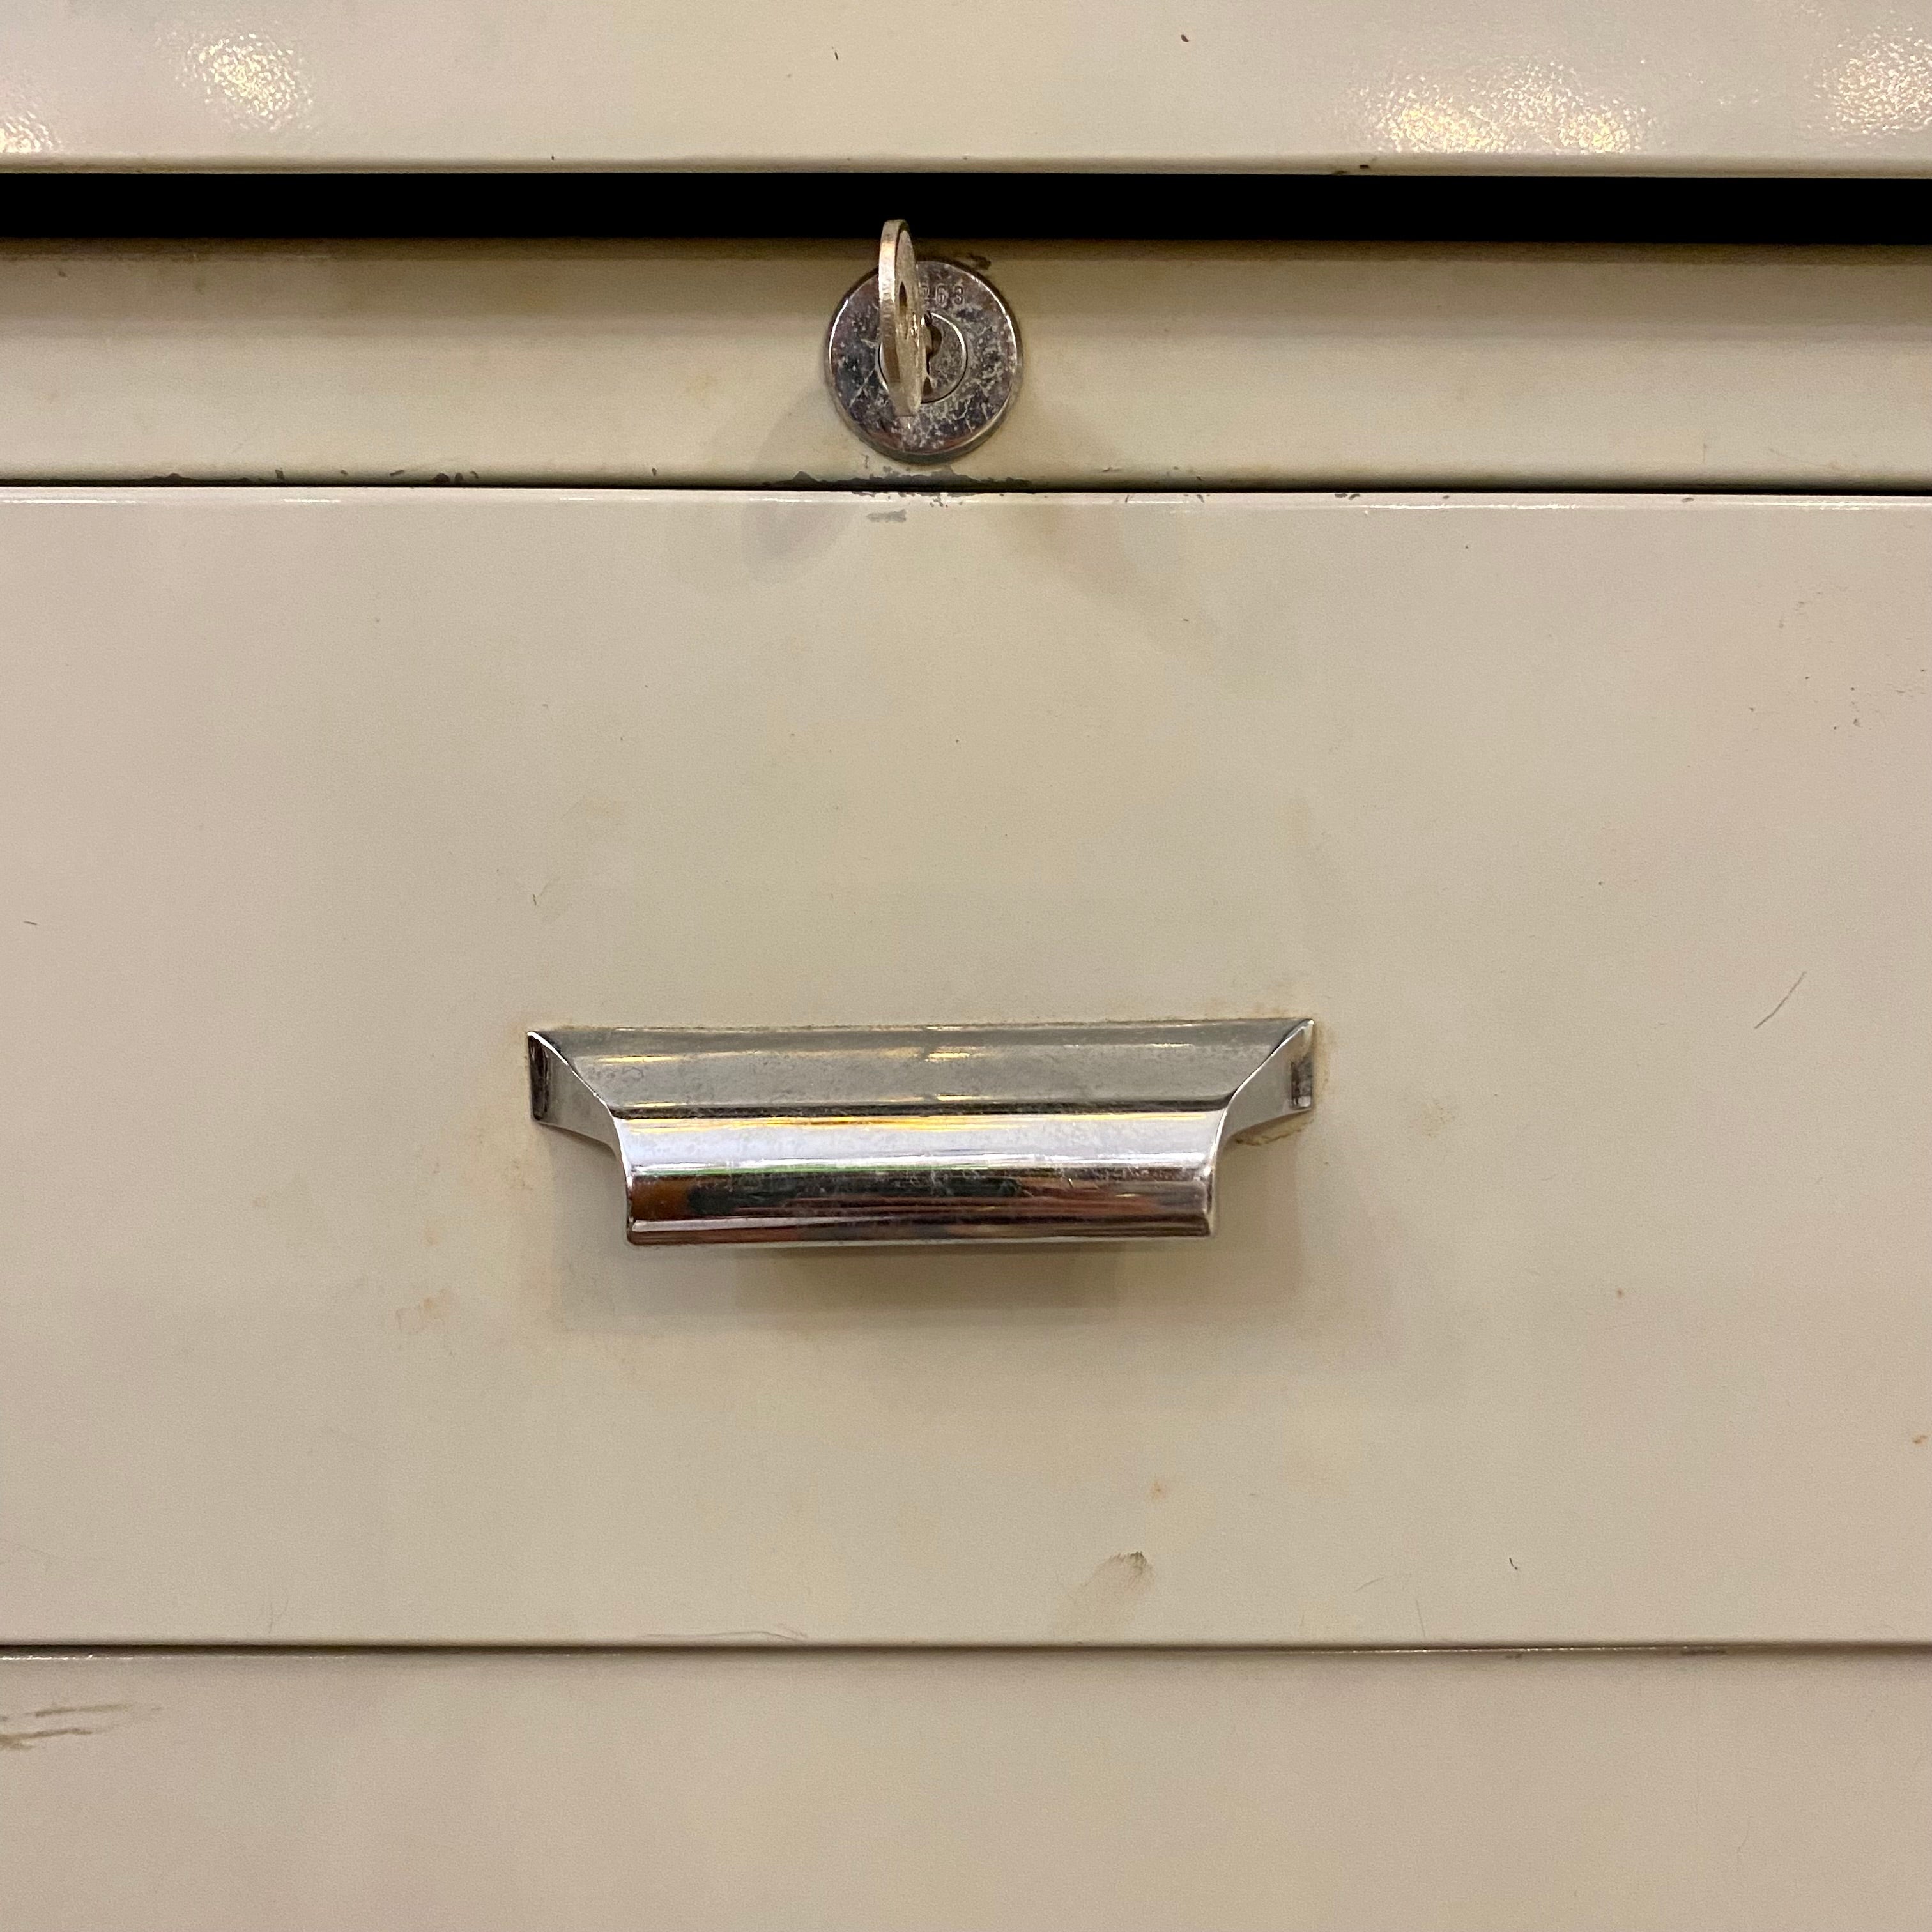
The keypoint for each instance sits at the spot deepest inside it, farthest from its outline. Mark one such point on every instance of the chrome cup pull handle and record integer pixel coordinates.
(925, 1134)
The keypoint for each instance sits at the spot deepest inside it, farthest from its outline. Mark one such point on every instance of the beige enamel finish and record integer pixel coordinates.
(1840, 85)
(1592, 1306)
(976, 1793)
(1147, 367)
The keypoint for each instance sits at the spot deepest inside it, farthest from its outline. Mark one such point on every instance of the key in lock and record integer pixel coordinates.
(923, 358)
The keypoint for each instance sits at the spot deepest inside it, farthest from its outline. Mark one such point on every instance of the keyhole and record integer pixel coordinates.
(945, 358)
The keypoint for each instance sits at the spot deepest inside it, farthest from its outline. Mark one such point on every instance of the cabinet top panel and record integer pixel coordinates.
(1841, 86)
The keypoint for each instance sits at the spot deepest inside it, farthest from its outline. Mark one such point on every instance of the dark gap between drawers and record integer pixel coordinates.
(1351, 205)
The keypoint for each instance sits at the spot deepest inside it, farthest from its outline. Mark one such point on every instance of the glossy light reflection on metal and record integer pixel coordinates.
(941, 1133)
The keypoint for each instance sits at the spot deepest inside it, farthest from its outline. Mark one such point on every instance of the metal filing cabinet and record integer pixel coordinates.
(1512, 660)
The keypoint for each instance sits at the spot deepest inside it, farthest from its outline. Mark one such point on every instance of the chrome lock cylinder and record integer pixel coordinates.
(923, 358)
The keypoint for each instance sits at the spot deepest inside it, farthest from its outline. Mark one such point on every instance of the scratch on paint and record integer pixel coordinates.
(1779, 1007)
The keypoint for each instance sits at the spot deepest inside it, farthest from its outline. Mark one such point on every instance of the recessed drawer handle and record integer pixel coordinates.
(922, 1133)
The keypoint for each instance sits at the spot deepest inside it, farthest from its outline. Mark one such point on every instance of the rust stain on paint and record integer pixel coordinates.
(432, 1311)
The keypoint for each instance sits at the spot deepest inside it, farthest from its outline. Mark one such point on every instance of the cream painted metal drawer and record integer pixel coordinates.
(1835, 86)
(1148, 367)
(1120, 1793)
(1592, 1306)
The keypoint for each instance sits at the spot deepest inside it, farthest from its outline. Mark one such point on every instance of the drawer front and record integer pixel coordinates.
(1147, 367)
(1838, 86)
(1590, 1307)
(1122, 1794)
